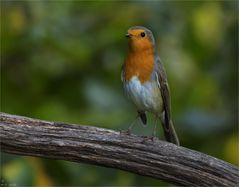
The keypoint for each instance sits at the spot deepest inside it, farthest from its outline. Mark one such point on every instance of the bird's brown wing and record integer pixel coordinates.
(169, 130)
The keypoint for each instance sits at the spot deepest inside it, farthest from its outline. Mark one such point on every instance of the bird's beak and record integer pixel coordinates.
(128, 35)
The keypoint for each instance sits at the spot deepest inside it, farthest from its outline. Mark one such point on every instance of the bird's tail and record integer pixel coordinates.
(170, 133)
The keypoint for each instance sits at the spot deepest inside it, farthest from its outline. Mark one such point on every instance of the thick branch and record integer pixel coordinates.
(158, 159)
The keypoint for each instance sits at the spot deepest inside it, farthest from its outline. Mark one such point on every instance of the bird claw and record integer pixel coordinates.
(146, 138)
(127, 132)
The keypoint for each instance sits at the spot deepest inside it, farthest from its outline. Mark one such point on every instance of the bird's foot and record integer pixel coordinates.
(147, 138)
(126, 132)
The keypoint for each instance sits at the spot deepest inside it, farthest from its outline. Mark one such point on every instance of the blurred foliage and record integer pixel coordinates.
(61, 61)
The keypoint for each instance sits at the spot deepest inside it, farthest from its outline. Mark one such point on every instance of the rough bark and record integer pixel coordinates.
(77, 143)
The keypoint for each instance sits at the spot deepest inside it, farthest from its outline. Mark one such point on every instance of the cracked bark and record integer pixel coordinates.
(161, 160)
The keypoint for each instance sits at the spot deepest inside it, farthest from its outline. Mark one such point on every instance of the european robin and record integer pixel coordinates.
(145, 80)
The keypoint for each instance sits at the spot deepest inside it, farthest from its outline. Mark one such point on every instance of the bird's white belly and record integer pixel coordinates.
(146, 97)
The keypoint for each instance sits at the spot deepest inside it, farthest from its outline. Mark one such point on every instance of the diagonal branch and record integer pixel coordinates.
(158, 159)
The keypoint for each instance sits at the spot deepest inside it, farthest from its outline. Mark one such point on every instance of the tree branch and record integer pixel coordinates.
(158, 159)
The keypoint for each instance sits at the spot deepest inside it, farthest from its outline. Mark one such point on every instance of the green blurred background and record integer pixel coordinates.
(61, 61)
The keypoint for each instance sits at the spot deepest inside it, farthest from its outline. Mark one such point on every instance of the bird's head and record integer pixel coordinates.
(140, 39)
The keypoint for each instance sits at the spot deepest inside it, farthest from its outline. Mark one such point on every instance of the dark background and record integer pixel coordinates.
(61, 61)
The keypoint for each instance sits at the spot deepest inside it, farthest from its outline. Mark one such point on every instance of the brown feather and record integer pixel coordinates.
(139, 64)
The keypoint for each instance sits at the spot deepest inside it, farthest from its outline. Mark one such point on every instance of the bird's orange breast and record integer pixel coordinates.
(139, 64)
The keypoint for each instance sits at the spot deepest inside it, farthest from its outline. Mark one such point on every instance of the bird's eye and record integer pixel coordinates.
(142, 34)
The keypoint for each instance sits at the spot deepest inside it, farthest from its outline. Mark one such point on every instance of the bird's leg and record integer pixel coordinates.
(154, 132)
(128, 131)
(155, 127)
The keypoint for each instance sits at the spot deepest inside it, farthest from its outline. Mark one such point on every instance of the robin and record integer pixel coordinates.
(145, 81)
